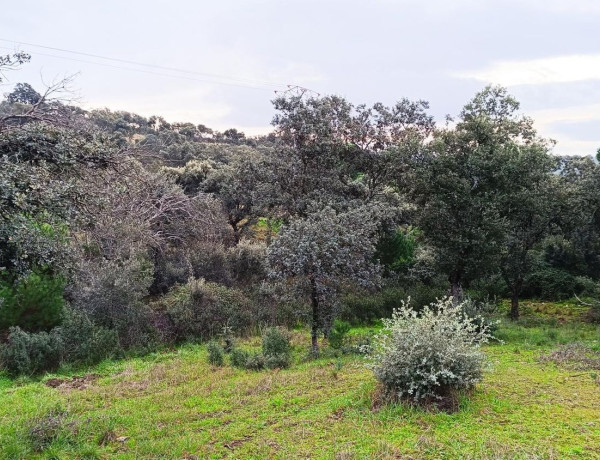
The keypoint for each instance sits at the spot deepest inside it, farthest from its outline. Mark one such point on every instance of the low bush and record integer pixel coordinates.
(239, 358)
(276, 352)
(481, 312)
(276, 348)
(216, 354)
(86, 343)
(228, 339)
(337, 336)
(210, 262)
(200, 309)
(430, 355)
(255, 361)
(550, 283)
(112, 293)
(28, 353)
(247, 262)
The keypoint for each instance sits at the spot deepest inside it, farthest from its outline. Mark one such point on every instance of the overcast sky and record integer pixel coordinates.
(236, 53)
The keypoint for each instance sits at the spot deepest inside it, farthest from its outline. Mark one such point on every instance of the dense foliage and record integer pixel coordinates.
(120, 233)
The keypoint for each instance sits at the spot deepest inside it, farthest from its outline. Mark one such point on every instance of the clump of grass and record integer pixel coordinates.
(43, 431)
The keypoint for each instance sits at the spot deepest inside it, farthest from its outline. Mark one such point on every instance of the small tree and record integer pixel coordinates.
(324, 250)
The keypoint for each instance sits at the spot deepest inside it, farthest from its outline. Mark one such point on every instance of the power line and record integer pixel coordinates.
(244, 82)
(145, 71)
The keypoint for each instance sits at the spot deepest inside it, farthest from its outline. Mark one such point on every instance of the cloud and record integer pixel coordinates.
(548, 120)
(567, 114)
(559, 69)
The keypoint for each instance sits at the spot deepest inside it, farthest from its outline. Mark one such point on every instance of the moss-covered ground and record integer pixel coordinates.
(174, 405)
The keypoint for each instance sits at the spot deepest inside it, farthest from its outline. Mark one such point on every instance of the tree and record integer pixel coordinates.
(459, 181)
(331, 152)
(529, 206)
(12, 61)
(321, 251)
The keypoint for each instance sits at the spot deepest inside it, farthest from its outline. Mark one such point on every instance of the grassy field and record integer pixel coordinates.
(174, 405)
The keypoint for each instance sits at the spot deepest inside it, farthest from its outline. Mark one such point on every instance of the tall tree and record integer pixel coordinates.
(529, 206)
(460, 179)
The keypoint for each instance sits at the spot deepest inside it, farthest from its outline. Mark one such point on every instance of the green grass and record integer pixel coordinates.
(174, 405)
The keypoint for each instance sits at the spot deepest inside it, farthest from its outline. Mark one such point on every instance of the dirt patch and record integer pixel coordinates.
(574, 356)
(236, 442)
(74, 383)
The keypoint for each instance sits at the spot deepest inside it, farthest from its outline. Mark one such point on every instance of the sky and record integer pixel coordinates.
(219, 62)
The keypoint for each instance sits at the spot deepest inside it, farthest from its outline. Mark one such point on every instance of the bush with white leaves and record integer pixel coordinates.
(429, 355)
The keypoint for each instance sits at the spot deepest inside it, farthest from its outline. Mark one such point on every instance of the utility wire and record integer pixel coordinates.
(243, 82)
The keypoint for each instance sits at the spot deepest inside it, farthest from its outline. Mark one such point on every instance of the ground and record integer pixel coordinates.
(174, 405)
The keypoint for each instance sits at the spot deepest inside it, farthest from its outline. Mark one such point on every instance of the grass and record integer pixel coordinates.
(175, 405)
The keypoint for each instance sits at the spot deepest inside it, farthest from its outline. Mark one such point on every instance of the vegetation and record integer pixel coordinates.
(174, 402)
(431, 355)
(170, 248)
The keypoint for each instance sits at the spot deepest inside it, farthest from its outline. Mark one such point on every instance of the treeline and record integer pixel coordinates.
(120, 232)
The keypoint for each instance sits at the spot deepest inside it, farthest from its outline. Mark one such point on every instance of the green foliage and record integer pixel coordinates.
(428, 355)
(555, 284)
(43, 431)
(255, 361)
(239, 358)
(337, 335)
(363, 308)
(216, 354)
(33, 303)
(27, 353)
(86, 343)
(276, 352)
(228, 339)
(276, 348)
(112, 292)
(396, 251)
(76, 341)
(200, 310)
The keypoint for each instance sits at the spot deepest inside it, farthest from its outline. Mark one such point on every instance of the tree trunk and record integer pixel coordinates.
(456, 290)
(514, 299)
(236, 232)
(314, 297)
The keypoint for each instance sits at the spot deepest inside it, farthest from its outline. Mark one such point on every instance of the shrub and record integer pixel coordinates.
(210, 262)
(365, 308)
(33, 303)
(111, 293)
(215, 353)
(247, 262)
(31, 353)
(481, 312)
(428, 355)
(228, 339)
(170, 268)
(337, 335)
(276, 348)
(556, 284)
(239, 358)
(86, 343)
(255, 361)
(200, 309)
